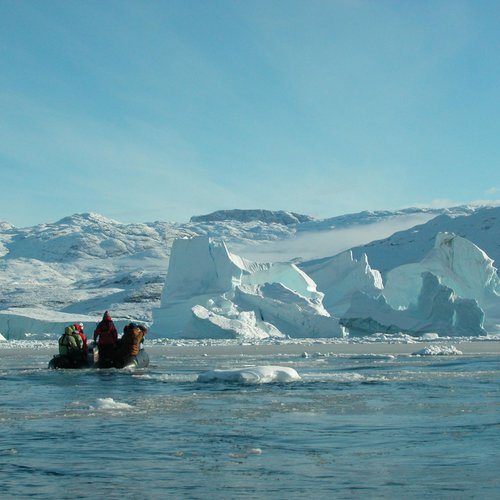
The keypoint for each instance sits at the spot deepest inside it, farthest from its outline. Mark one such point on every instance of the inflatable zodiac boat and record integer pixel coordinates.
(92, 360)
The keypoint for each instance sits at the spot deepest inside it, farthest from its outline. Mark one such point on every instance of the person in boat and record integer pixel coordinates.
(144, 331)
(79, 330)
(130, 343)
(71, 346)
(106, 337)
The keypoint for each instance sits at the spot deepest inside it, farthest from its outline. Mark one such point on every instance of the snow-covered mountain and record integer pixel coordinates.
(481, 226)
(86, 263)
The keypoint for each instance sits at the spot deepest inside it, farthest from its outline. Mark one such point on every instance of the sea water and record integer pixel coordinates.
(352, 427)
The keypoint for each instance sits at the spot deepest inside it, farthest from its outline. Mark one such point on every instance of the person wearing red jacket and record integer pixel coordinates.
(106, 336)
(79, 330)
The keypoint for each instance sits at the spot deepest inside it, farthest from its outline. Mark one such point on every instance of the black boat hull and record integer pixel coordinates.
(60, 361)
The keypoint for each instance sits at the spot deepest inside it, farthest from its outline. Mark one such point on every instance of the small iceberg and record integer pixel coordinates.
(437, 350)
(246, 453)
(111, 404)
(251, 375)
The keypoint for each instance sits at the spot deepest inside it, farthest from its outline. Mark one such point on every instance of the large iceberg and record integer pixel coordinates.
(459, 265)
(453, 290)
(437, 309)
(210, 292)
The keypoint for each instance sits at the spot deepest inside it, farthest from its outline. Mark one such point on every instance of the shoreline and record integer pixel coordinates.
(179, 348)
(377, 348)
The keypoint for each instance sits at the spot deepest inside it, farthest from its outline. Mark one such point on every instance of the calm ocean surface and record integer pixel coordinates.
(354, 427)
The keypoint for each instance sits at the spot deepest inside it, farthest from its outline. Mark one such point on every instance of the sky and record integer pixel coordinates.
(158, 110)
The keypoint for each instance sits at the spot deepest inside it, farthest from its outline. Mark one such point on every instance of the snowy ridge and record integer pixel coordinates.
(481, 226)
(371, 217)
(267, 216)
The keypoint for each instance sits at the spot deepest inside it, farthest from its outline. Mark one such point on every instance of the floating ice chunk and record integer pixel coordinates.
(246, 453)
(254, 451)
(438, 350)
(111, 404)
(430, 336)
(9, 451)
(251, 375)
(376, 357)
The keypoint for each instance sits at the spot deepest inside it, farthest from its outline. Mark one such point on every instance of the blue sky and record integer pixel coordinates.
(158, 110)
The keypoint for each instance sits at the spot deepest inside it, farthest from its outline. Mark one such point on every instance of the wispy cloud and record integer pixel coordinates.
(317, 244)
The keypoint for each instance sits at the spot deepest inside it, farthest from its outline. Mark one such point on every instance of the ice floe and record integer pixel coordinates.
(111, 404)
(438, 350)
(251, 375)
